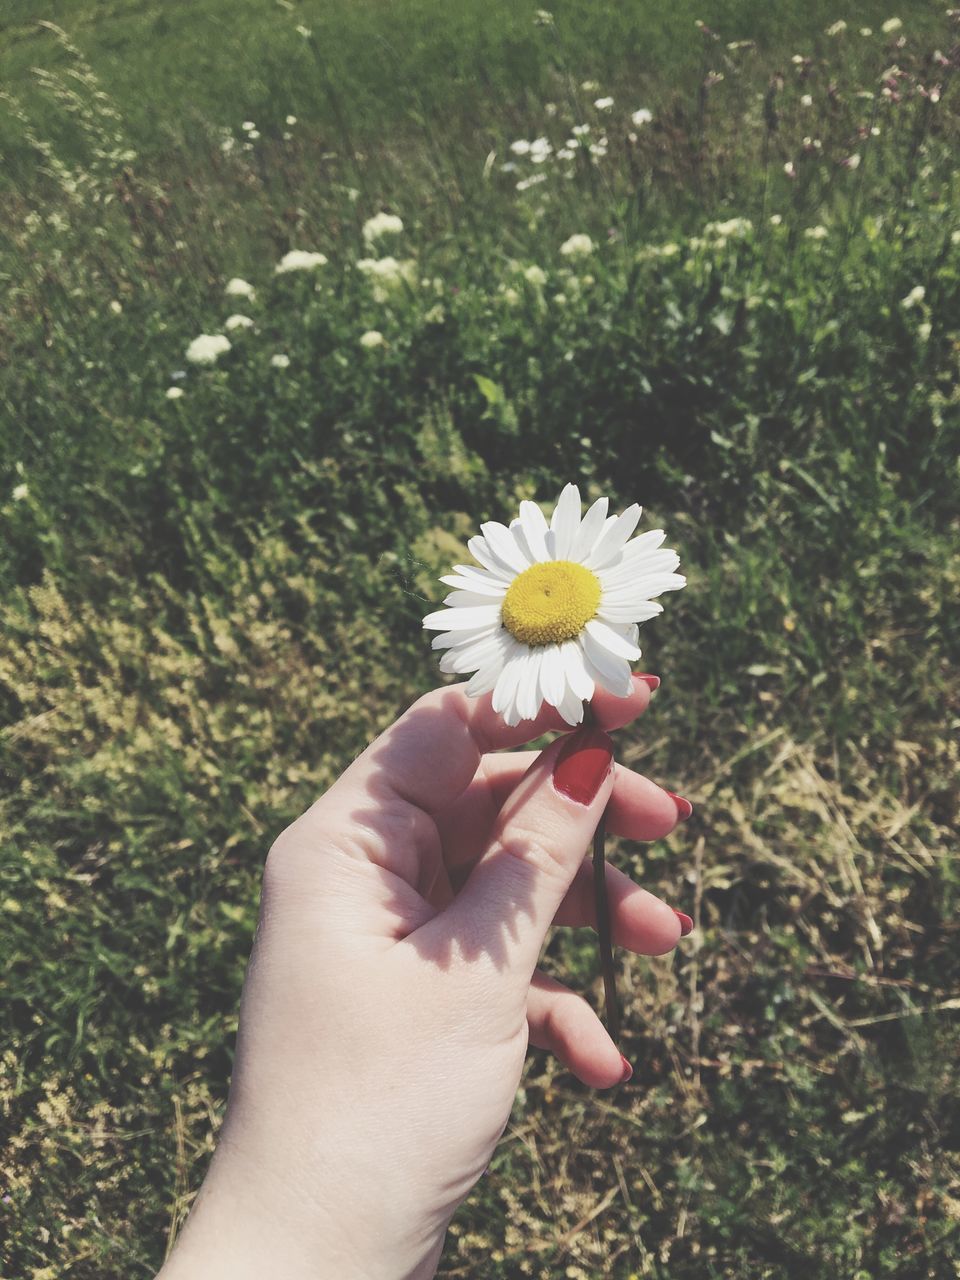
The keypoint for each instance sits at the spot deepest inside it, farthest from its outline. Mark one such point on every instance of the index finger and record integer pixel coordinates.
(429, 756)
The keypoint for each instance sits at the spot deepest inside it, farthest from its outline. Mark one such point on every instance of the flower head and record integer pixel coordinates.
(552, 611)
(174, 393)
(237, 288)
(643, 116)
(381, 224)
(238, 322)
(372, 338)
(280, 361)
(578, 246)
(20, 492)
(300, 260)
(208, 348)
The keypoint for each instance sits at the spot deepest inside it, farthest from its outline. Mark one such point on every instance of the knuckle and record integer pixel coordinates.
(529, 847)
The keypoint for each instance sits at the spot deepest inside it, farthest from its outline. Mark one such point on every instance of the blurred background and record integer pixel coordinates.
(701, 256)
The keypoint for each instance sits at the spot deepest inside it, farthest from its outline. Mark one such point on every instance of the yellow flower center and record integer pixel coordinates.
(551, 602)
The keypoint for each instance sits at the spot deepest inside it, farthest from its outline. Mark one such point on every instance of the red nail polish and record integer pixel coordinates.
(583, 763)
(652, 682)
(686, 924)
(684, 807)
(627, 1070)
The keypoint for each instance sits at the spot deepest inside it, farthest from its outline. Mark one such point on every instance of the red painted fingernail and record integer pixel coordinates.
(584, 761)
(627, 1070)
(686, 924)
(684, 807)
(652, 682)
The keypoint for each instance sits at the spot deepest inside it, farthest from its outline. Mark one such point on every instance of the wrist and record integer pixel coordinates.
(243, 1225)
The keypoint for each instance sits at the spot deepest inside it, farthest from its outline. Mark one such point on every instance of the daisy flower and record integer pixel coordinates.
(552, 611)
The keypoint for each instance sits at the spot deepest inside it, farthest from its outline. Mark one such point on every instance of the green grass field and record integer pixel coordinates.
(210, 602)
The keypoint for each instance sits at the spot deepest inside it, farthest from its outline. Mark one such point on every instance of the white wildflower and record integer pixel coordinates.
(536, 276)
(836, 28)
(174, 393)
(578, 246)
(891, 25)
(816, 233)
(372, 338)
(300, 260)
(237, 288)
(381, 224)
(208, 348)
(238, 322)
(603, 104)
(643, 116)
(280, 361)
(291, 120)
(20, 492)
(550, 611)
(914, 297)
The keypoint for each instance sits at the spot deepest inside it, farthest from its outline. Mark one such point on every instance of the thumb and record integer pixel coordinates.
(537, 845)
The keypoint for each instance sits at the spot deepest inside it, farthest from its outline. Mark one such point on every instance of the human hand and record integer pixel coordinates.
(393, 987)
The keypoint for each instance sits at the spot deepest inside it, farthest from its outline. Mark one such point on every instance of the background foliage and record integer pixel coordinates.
(210, 603)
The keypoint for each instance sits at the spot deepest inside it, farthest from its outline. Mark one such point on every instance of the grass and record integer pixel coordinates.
(210, 603)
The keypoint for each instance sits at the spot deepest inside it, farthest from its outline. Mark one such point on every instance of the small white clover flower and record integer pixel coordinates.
(116, 307)
(914, 297)
(208, 348)
(291, 120)
(521, 147)
(20, 492)
(372, 338)
(891, 25)
(238, 322)
(534, 180)
(237, 288)
(381, 224)
(732, 227)
(806, 100)
(790, 169)
(550, 612)
(280, 361)
(536, 276)
(578, 246)
(174, 393)
(643, 116)
(852, 162)
(816, 233)
(836, 28)
(248, 126)
(603, 104)
(300, 260)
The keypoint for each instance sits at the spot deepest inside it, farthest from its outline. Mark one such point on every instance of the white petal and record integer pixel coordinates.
(492, 589)
(528, 686)
(504, 545)
(474, 574)
(469, 657)
(578, 679)
(553, 680)
(607, 669)
(571, 708)
(534, 524)
(485, 679)
(506, 685)
(618, 614)
(626, 569)
(614, 538)
(565, 522)
(483, 554)
(590, 530)
(611, 640)
(468, 599)
(450, 639)
(462, 619)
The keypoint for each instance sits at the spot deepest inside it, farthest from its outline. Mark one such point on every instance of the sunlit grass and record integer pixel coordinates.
(211, 600)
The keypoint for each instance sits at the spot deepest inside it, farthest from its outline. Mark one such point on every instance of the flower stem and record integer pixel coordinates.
(603, 932)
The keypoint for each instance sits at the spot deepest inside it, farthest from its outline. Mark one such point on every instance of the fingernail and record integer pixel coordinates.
(627, 1070)
(684, 807)
(652, 682)
(582, 764)
(686, 924)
